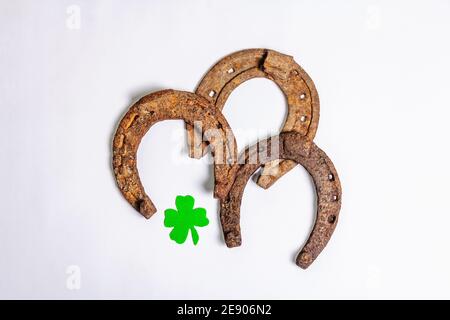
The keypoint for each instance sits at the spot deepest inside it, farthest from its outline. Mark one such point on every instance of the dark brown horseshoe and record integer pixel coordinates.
(295, 147)
(164, 105)
(297, 86)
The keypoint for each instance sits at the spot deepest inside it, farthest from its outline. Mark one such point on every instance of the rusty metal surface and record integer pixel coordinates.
(298, 88)
(299, 149)
(277, 155)
(164, 105)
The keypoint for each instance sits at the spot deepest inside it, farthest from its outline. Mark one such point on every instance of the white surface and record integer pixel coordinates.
(381, 69)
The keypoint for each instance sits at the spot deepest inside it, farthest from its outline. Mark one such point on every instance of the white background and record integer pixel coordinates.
(382, 72)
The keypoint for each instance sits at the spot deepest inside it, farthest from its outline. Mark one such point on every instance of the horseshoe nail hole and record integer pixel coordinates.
(332, 219)
(335, 198)
(303, 118)
(212, 93)
(303, 96)
(231, 70)
(331, 177)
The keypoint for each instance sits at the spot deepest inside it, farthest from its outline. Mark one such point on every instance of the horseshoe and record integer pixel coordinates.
(301, 150)
(294, 82)
(164, 105)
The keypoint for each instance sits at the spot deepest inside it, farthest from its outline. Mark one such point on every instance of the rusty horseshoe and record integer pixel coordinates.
(164, 105)
(298, 88)
(298, 148)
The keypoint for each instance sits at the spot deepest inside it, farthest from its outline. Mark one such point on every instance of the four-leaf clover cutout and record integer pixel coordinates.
(185, 218)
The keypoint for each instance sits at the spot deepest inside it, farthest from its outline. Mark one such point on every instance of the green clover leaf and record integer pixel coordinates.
(185, 218)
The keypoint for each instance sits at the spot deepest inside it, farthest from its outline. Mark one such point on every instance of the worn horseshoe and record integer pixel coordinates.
(295, 147)
(297, 86)
(164, 105)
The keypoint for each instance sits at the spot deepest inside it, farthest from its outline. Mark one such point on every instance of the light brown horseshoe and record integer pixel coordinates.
(297, 86)
(164, 105)
(295, 147)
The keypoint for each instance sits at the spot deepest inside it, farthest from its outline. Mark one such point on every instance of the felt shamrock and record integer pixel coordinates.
(185, 218)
